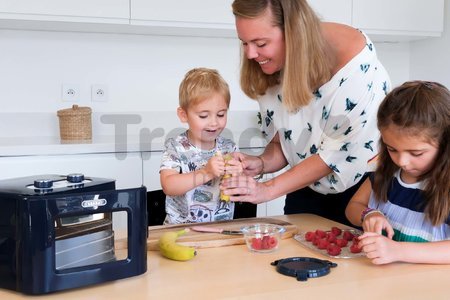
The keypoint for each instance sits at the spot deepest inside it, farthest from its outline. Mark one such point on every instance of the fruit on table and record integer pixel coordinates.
(264, 243)
(333, 240)
(341, 242)
(170, 249)
(333, 249)
(224, 197)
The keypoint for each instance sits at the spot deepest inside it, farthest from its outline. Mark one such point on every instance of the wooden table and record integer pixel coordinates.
(235, 273)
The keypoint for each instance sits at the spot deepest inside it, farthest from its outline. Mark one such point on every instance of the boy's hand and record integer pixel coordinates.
(376, 222)
(215, 166)
(378, 248)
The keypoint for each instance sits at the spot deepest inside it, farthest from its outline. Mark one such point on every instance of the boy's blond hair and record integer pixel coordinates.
(199, 84)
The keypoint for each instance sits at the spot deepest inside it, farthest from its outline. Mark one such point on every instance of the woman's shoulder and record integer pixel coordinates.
(345, 42)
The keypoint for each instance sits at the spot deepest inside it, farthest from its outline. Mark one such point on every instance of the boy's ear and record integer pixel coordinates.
(182, 115)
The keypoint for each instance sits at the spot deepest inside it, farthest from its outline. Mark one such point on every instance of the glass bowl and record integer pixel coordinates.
(263, 238)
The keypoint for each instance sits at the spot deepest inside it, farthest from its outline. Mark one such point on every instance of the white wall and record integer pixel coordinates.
(430, 59)
(142, 72)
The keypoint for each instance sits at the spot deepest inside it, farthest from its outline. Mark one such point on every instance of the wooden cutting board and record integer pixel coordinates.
(209, 239)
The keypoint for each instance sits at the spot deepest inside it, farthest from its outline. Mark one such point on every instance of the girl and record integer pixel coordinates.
(408, 195)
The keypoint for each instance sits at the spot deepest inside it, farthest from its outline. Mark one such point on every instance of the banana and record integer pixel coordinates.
(170, 249)
(224, 197)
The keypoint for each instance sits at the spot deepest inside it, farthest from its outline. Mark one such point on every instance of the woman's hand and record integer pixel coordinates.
(376, 222)
(252, 165)
(379, 249)
(233, 167)
(244, 189)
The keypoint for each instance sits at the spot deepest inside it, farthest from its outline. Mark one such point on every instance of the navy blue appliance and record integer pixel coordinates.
(57, 233)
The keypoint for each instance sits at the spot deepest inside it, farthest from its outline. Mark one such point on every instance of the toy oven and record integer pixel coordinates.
(60, 232)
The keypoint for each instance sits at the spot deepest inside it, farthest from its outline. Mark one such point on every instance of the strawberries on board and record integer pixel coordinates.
(334, 240)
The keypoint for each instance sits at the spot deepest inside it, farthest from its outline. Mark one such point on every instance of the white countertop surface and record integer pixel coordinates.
(45, 145)
(28, 134)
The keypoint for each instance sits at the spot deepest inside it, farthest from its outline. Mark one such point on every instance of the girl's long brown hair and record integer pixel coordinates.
(307, 65)
(421, 109)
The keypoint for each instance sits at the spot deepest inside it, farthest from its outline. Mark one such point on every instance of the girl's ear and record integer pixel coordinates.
(182, 115)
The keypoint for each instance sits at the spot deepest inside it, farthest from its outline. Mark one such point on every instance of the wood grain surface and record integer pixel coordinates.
(209, 239)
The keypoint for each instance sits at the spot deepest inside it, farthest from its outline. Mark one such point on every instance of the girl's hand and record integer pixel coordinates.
(244, 189)
(376, 222)
(378, 248)
(215, 166)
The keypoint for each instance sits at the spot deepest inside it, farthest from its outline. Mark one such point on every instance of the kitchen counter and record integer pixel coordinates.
(233, 272)
(37, 134)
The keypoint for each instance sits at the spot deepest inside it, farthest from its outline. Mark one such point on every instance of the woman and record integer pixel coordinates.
(318, 86)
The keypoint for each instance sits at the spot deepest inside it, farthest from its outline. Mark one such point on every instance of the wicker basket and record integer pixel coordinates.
(75, 123)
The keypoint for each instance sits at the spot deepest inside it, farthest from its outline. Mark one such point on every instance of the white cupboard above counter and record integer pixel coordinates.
(84, 11)
(383, 20)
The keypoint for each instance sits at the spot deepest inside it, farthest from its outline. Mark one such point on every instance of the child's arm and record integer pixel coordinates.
(382, 250)
(376, 221)
(175, 184)
(358, 203)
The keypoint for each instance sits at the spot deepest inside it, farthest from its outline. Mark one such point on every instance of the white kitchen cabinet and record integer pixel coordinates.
(193, 17)
(151, 161)
(409, 19)
(383, 20)
(339, 11)
(92, 11)
(127, 172)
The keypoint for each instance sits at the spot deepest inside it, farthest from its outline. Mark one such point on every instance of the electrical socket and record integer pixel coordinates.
(99, 93)
(70, 92)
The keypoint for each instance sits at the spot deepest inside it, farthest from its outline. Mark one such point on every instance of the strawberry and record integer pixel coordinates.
(265, 242)
(323, 244)
(272, 243)
(309, 236)
(336, 231)
(341, 242)
(348, 235)
(354, 248)
(320, 233)
(256, 243)
(333, 250)
(331, 238)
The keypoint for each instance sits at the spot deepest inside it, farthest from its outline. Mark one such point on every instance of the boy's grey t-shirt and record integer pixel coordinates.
(201, 204)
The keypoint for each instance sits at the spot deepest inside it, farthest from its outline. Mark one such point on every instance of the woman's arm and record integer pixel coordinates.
(303, 174)
(246, 189)
(271, 160)
(273, 156)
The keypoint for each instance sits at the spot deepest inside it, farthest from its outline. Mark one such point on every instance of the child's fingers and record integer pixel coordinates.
(389, 231)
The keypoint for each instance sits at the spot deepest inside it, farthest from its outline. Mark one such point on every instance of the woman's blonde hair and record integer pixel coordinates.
(421, 109)
(199, 84)
(307, 65)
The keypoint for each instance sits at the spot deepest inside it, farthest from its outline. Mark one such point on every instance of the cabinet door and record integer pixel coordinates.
(214, 13)
(96, 11)
(127, 172)
(339, 11)
(413, 16)
(151, 165)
